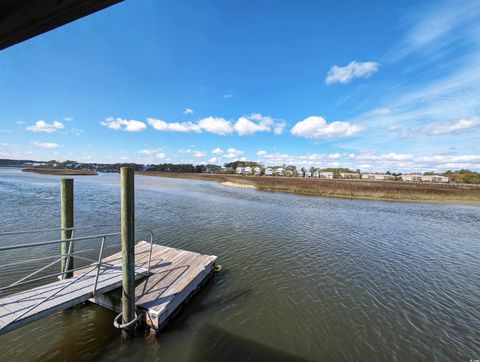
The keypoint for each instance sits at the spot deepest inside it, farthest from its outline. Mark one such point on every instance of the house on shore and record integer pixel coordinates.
(299, 173)
(268, 171)
(349, 175)
(308, 174)
(257, 171)
(247, 171)
(413, 177)
(316, 174)
(435, 178)
(325, 174)
(280, 171)
(239, 170)
(377, 177)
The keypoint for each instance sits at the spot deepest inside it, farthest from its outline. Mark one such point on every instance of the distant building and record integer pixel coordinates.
(414, 177)
(269, 172)
(257, 171)
(349, 175)
(325, 174)
(239, 170)
(377, 176)
(247, 171)
(434, 178)
(299, 173)
(280, 171)
(316, 174)
(308, 174)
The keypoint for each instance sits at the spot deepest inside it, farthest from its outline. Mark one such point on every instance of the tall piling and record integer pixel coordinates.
(127, 182)
(66, 222)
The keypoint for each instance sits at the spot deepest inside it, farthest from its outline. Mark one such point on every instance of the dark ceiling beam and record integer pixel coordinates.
(23, 19)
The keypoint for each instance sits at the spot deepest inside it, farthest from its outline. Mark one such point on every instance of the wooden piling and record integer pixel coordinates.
(127, 181)
(67, 221)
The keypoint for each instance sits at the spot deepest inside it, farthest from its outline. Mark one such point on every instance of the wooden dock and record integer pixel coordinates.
(175, 275)
(19, 309)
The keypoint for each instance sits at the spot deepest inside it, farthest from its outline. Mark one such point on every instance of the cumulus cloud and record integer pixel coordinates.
(233, 153)
(216, 125)
(317, 127)
(258, 123)
(261, 153)
(188, 111)
(150, 151)
(42, 126)
(351, 71)
(160, 125)
(121, 124)
(199, 154)
(214, 160)
(46, 144)
(451, 127)
(217, 151)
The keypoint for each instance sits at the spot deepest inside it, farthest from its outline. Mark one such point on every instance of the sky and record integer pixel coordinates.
(375, 85)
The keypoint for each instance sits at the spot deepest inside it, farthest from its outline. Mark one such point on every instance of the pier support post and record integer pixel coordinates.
(127, 181)
(66, 221)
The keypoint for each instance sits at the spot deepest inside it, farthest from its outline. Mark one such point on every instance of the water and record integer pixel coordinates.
(304, 277)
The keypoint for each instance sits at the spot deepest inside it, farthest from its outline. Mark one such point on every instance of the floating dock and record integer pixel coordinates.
(174, 276)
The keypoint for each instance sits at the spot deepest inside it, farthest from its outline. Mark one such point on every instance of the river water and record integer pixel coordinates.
(304, 278)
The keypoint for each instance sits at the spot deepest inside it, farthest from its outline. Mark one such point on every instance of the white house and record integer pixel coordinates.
(269, 172)
(247, 170)
(377, 176)
(308, 174)
(316, 174)
(257, 171)
(239, 170)
(325, 174)
(412, 177)
(280, 171)
(299, 173)
(349, 175)
(434, 178)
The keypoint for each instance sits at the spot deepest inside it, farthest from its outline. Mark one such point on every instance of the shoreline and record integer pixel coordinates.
(347, 189)
(60, 172)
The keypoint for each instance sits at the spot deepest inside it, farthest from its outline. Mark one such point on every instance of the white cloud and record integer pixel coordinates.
(216, 125)
(150, 151)
(217, 151)
(261, 153)
(351, 71)
(20, 122)
(46, 144)
(381, 111)
(228, 95)
(188, 111)
(199, 154)
(214, 160)
(233, 153)
(317, 127)
(124, 124)
(42, 126)
(257, 123)
(451, 127)
(160, 125)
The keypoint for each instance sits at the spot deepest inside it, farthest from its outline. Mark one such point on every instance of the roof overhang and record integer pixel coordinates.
(23, 19)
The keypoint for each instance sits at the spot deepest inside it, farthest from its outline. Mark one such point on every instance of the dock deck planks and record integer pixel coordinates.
(77, 289)
(175, 274)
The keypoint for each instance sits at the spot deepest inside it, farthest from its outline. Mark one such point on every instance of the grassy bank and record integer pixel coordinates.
(360, 189)
(61, 172)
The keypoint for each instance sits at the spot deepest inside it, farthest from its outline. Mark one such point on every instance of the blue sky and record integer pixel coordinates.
(374, 85)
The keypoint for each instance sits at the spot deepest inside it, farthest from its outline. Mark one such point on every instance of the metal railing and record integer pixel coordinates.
(97, 263)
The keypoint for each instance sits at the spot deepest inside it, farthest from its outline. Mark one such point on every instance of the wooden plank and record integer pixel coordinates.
(75, 290)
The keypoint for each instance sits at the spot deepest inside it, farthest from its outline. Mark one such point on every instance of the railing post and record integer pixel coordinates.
(128, 249)
(67, 221)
